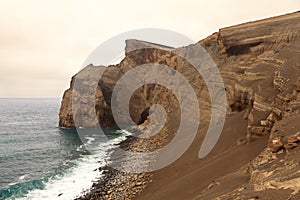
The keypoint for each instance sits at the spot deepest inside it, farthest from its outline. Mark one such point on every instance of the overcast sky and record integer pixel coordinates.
(43, 43)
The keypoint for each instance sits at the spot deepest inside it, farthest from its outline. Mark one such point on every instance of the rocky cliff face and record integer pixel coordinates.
(261, 69)
(260, 66)
(258, 62)
(142, 98)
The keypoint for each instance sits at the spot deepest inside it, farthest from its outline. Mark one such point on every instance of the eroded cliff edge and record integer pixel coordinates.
(260, 65)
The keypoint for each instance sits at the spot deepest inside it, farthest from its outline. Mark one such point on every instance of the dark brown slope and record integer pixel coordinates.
(260, 64)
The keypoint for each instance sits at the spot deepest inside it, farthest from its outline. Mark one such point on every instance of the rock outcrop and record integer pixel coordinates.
(142, 98)
(83, 97)
(260, 66)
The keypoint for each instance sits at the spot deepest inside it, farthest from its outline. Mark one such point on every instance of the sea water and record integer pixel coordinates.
(39, 160)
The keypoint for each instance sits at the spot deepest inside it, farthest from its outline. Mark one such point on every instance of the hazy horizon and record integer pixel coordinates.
(44, 43)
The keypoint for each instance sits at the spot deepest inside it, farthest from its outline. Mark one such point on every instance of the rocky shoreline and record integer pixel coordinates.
(115, 184)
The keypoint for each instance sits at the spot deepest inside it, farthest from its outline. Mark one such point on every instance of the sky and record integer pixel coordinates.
(43, 43)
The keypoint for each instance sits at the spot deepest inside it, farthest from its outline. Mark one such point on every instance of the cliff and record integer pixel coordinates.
(260, 66)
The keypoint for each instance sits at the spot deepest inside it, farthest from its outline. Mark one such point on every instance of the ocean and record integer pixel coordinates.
(39, 160)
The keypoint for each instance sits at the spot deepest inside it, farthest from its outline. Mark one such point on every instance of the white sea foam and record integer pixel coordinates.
(80, 148)
(78, 178)
(12, 183)
(75, 181)
(125, 132)
(89, 140)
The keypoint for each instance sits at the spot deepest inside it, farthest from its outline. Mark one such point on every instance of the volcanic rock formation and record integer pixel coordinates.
(260, 66)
